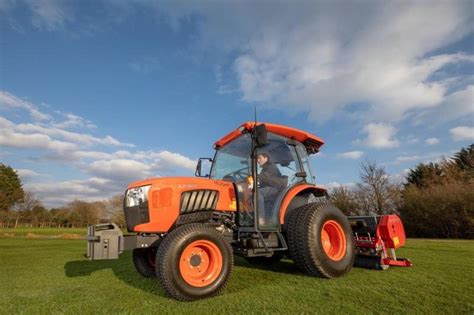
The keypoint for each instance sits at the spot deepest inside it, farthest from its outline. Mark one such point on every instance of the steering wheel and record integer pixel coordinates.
(238, 175)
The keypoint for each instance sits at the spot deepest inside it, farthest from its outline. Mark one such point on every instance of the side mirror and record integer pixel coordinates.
(199, 167)
(261, 135)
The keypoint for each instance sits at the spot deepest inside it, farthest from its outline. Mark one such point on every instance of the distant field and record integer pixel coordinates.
(47, 275)
(42, 232)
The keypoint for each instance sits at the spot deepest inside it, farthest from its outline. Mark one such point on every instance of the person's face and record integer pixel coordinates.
(261, 159)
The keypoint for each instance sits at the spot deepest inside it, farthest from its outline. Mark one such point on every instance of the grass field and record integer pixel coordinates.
(40, 273)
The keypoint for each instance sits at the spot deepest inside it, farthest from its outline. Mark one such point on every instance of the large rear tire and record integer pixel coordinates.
(193, 262)
(320, 240)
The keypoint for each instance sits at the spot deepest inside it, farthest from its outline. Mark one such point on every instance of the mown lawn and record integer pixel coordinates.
(44, 275)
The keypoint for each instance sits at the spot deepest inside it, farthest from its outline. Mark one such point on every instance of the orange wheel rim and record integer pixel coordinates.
(200, 263)
(333, 240)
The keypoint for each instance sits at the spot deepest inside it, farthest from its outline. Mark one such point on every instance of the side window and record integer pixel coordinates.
(284, 157)
(290, 168)
(303, 154)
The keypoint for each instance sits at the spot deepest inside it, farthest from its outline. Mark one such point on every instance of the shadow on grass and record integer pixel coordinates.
(286, 266)
(122, 268)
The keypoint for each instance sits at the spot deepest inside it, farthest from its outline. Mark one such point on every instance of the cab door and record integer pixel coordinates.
(282, 154)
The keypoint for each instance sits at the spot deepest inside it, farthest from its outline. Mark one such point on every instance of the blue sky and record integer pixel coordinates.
(95, 94)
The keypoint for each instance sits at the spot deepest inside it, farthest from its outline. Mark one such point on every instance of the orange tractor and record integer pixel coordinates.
(259, 201)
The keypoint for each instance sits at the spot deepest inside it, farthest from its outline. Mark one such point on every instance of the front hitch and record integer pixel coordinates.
(106, 241)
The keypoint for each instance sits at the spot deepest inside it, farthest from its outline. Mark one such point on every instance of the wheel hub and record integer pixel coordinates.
(195, 260)
(200, 263)
(333, 240)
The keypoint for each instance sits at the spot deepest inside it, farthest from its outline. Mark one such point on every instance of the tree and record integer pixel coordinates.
(439, 210)
(39, 215)
(343, 198)
(464, 159)
(11, 190)
(424, 175)
(84, 213)
(24, 208)
(438, 199)
(376, 194)
(115, 213)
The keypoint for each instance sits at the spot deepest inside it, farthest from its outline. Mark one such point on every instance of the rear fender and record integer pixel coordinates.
(299, 196)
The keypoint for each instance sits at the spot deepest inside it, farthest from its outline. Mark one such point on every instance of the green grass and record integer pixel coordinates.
(39, 276)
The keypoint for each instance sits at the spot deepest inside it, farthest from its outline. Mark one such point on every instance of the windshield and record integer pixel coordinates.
(232, 162)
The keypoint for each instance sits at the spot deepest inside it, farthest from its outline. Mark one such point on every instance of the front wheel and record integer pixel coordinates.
(320, 240)
(194, 261)
(144, 261)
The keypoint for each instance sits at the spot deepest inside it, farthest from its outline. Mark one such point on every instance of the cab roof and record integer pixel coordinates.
(311, 142)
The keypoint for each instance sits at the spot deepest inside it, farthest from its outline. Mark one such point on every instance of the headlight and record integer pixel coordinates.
(137, 196)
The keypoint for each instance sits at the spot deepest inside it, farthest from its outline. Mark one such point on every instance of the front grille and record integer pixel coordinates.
(199, 200)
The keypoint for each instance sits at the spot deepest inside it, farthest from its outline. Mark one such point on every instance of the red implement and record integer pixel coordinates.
(376, 238)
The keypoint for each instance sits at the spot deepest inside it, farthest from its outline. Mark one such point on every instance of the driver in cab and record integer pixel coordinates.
(270, 184)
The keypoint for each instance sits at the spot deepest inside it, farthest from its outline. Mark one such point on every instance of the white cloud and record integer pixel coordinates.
(462, 133)
(174, 160)
(49, 15)
(11, 101)
(74, 121)
(110, 171)
(68, 135)
(380, 136)
(432, 141)
(429, 157)
(49, 128)
(33, 136)
(456, 105)
(376, 53)
(33, 141)
(120, 169)
(54, 194)
(25, 173)
(354, 155)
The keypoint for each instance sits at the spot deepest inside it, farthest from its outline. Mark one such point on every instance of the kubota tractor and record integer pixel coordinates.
(186, 230)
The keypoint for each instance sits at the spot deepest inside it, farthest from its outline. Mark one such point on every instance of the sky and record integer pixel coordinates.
(96, 94)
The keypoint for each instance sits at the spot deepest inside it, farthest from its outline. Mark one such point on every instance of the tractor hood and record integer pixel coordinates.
(168, 197)
(182, 183)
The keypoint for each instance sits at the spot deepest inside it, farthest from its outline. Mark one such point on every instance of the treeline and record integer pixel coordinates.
(435, 200)
(20, 208)
(31, 213)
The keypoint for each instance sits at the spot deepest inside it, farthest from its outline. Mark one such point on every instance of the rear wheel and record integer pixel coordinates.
(320, 240)
(194, 261)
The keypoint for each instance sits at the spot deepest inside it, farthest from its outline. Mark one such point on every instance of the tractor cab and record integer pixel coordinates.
(236, 160)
